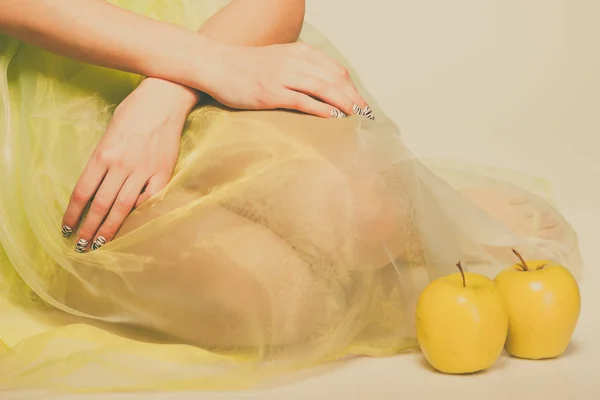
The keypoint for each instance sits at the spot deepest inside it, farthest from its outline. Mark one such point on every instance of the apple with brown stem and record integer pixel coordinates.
(543, 303)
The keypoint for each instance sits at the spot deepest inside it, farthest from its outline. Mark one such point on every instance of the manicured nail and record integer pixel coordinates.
(82, 245)
(335, 113)
(357, 110)
(367, 112)
(67, 231)
(99, 242)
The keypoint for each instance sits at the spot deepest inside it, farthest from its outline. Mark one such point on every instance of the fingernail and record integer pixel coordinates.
(99, 242)
(335, 113)
(82, 245)
(66, 231)
(357, 110)
(367, 112)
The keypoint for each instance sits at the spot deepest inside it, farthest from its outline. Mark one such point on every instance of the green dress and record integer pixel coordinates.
(282, 241)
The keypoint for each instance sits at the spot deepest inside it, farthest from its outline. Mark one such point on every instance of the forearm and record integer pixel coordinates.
(100, 33)
(247, 23)
(256, 22)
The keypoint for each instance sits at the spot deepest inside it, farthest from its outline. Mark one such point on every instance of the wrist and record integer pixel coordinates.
(177, 97)
(204, 64)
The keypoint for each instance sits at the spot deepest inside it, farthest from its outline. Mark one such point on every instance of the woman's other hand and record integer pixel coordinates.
(133, 161)
(288, 76)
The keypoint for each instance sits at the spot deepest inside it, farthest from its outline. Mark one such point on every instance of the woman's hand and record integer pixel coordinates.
(133, 161)
(290, 76)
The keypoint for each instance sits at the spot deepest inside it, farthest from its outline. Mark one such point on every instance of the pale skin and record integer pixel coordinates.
(242, 47)
(135, 160)
(245, 56)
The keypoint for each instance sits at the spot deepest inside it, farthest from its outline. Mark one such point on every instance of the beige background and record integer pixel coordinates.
(513, 83)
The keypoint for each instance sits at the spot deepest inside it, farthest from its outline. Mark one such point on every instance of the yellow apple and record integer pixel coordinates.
(543, 305)
(461, 323)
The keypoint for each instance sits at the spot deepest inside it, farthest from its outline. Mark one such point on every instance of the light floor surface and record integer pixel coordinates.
(512, 83)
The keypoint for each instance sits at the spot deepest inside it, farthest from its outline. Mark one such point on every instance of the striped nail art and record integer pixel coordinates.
(99, 242)
(335, 113)
(81, 246)
(367, 112)
(67, 231)
(357, 110)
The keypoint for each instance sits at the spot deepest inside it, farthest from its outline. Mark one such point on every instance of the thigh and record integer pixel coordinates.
(268, 233)
(213, 278)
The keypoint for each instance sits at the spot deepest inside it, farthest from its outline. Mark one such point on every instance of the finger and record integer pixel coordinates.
(157, 183)
(85, 188)
(101, 205)
(322, 90)
(121, 208)
(301, 102)
(339, 76)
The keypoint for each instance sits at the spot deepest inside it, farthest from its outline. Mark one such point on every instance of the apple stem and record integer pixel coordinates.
(462, 273)
(523, 263)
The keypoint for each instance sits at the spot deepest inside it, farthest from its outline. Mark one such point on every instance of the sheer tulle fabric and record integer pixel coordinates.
(282, 241)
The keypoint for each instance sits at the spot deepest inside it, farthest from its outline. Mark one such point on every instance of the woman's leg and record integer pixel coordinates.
(244, 253)
(274, 232)
(525, 214)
